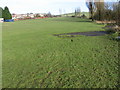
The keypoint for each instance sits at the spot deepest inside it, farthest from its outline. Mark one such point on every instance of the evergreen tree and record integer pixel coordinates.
(75, 12)
(1, 12)
(6, 14)
(49, 14)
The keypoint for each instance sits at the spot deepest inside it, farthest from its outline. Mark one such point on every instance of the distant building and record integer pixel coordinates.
(19, 16)
(40, 14)
(1, 20)
(31, 15)
(28, 15)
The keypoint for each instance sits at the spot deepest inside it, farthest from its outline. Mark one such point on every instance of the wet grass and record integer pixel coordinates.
(34, 58)
(75, 34)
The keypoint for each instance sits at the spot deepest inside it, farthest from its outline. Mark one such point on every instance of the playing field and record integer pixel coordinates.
(34, 58)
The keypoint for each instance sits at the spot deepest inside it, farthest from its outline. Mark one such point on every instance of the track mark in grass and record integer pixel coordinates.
(75, 34)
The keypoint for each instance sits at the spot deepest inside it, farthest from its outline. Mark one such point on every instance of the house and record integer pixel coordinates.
(27, 16)
(19, 16)
(31, 15)
(40, 14)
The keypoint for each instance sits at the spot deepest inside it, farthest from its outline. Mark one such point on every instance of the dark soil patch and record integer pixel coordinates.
(74, 34)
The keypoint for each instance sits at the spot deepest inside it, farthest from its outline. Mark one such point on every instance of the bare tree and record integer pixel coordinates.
(91, 6)
(99, 4)
(118, 13)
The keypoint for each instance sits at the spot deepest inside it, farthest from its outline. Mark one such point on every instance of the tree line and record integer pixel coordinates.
(5, 13)
(100, 10)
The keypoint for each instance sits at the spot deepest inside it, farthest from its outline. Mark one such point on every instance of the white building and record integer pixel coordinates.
(19, 16)
(40, 14)
(28, 15)
(31, 15)
(1, 20)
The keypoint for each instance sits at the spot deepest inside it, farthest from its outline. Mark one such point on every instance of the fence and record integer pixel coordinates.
(9, 20)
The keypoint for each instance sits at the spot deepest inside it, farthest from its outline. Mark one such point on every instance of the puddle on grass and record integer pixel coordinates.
(75, 34)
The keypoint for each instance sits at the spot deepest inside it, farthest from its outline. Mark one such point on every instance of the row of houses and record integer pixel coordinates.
(28, 15)
(25, 16)
(16, 17)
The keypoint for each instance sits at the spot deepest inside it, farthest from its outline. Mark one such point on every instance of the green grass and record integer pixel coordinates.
(72, 14)
(34, 58)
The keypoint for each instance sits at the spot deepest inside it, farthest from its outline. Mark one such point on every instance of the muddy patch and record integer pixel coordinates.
(75, 34)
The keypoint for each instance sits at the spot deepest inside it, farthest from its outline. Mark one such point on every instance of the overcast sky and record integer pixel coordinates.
(44, 6)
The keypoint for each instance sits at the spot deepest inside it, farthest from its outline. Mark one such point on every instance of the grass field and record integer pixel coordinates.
(73, 14)
(34, 58)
